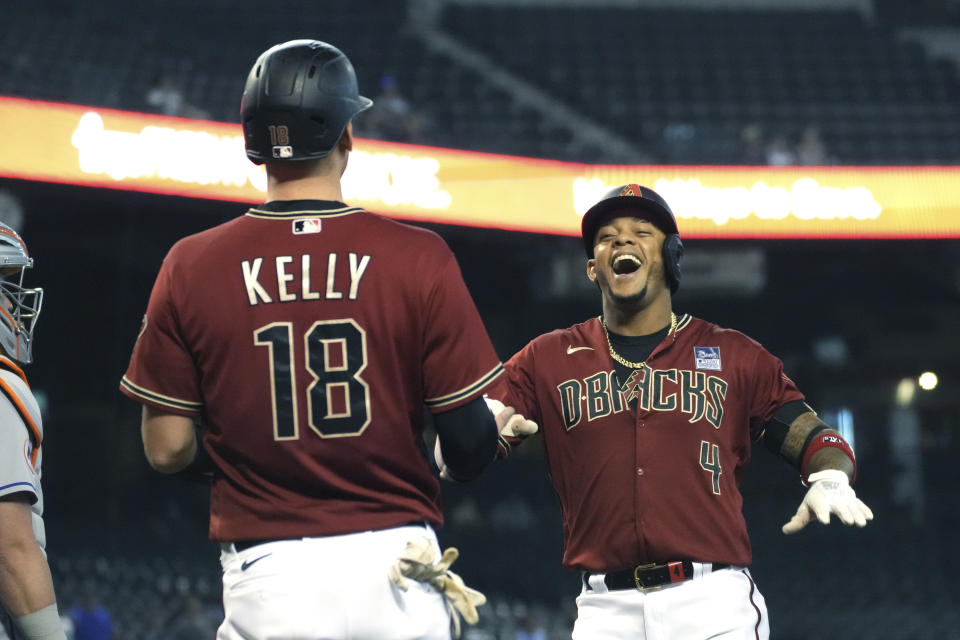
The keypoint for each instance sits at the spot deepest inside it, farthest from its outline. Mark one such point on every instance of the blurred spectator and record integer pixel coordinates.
(91, 621)
(530, 629)
(391, 117)
(513, 514)
(193, 623)
(466, 515)
(812, 151)
(752, 149)
(779, 153)
(164, 96)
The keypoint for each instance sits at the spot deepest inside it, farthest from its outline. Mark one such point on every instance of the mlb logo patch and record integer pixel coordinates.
(707, 358)
(306, 225)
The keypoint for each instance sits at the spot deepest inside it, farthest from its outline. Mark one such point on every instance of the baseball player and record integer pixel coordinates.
(306, 337)
(28, 606)
(648, 418)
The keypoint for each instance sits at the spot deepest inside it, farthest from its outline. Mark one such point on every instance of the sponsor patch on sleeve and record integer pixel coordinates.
(707, 358)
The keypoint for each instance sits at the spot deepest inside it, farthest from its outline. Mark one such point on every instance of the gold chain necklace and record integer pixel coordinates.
(616, 356)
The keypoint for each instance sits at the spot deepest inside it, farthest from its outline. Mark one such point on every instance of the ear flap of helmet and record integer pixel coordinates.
(673, 261)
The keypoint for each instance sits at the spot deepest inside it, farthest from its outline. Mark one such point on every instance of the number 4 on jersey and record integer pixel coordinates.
(338, 399)
(710, 461)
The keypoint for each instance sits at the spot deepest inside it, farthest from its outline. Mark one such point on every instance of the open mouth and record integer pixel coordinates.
(626, 264)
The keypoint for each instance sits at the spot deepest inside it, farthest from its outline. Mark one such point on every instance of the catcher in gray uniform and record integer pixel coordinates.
(28, 606)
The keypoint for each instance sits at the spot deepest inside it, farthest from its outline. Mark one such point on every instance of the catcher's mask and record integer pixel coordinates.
(648, 201)
(19, 306)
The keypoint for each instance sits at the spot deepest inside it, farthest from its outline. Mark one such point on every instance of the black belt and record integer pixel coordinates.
(243, 545)
(649, 576)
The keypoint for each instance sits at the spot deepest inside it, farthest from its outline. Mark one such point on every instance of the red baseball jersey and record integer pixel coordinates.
(648, 469)
(307, 337)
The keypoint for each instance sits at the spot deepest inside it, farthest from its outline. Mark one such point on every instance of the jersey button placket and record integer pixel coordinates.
(639, 426)
(640, 492)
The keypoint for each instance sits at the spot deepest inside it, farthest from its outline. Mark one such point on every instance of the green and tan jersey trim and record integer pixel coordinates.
(158, 398)
(292, 215)
(457, 396)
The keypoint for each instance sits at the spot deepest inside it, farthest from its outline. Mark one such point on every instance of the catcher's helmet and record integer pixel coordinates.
(633, 196)
(19, 307)
(298, 99)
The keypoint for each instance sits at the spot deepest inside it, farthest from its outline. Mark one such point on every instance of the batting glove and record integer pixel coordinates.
(513, 427)
(416, 562)
(510, 423)
(829, 492)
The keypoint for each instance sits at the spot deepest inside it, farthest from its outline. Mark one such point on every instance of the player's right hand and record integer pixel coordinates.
(510, 423)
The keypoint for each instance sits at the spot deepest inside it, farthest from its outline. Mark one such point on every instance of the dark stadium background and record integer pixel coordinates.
(890, 309)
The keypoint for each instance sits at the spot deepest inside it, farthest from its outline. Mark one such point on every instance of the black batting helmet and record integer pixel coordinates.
(645, 199)
(297, 102)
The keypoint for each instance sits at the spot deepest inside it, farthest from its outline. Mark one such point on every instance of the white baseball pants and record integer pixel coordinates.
(722, 605)
(329, 588)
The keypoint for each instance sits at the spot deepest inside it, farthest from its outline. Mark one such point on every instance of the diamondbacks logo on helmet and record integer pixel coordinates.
(632, 190)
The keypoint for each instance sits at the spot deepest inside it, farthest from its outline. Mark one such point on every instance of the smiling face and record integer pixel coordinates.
(627, 261)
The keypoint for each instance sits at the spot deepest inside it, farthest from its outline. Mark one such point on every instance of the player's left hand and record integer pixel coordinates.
(830, 492)
(416, 562)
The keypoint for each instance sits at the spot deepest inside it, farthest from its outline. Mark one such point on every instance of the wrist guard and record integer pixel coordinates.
(822, 441)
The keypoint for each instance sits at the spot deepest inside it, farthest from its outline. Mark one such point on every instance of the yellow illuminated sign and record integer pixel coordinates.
(122, 150)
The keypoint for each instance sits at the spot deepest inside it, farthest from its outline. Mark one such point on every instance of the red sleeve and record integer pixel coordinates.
(459, 361)
(162, 373)
(771, 387)
(517, 389)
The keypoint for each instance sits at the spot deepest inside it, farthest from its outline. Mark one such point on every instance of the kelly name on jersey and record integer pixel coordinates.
(303, 278)
(694, 393)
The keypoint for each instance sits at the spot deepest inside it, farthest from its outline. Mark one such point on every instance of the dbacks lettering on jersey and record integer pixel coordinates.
(337, 283)
(598, 395)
